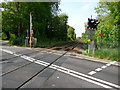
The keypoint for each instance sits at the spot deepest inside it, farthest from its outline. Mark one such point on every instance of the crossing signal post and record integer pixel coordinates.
(31, 31)
(91, 27)
(32, 40)
(30, 35)
(89, 42)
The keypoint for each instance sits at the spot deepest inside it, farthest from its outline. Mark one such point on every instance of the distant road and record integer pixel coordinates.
(46, 68)
(3, 42)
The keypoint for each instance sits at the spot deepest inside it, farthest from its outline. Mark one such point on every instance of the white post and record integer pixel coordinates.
(93, 47)
(31, 31)
(88, 48)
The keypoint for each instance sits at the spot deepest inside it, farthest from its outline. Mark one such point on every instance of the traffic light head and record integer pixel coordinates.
(96, 23)
(92, 23)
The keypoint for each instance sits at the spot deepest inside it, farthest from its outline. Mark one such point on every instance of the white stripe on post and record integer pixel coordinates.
(30, 20)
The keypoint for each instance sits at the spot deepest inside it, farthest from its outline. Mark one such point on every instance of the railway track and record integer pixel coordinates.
(67, 48)
(64, 46)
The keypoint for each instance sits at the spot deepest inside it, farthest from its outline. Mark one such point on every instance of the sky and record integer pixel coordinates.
(78, 12)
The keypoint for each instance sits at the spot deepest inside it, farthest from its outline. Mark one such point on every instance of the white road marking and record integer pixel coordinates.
(72, 72)
(53, 85)
(10, 52)
(28, 58)
(16, 54)
(40, 63)
(108, 64)
(92, 72)
(113, 62)
(103, 66)
(83, 78)
(84, 75)
(58, 77)
(98, 69)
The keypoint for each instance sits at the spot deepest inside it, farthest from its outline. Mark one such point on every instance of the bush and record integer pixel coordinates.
(4, 36)
(14, 40)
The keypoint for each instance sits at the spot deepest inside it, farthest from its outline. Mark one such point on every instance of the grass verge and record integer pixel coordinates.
(107, 53)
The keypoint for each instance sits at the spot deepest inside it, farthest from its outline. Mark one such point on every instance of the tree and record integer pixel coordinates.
(71, 33)
(15, 18)
(45, 19)
(63, 26)
(109, 17)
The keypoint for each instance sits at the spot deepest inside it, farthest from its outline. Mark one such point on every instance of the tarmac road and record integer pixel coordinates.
(28, 68)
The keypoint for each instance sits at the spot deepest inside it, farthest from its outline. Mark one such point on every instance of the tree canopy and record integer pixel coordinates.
(46, 21)
(109, 17)
(71, 33)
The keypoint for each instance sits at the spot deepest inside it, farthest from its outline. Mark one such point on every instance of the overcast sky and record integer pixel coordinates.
(78, 12)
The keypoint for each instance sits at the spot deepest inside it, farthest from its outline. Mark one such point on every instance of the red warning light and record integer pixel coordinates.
(101, 34)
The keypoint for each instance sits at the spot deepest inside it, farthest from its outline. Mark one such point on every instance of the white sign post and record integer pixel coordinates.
(31, 31)
(91, 33)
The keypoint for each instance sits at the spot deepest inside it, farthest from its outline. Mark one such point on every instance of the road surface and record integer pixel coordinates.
(46, 68)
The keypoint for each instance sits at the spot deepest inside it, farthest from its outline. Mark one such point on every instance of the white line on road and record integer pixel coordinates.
(71, 72)
(84, 75)
(108, 64)
(103, 67)
(80, 77)
(16, 54)
(98, 69)
(92, 72)
(10, 52)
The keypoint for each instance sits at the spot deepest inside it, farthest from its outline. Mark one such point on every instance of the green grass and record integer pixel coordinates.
(115, 55)
(48, 43)
(103, 53)
(110, 54)
(107, 53)
(43, 44)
